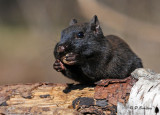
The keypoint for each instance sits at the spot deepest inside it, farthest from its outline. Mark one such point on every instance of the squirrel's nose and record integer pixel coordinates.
(60, 49)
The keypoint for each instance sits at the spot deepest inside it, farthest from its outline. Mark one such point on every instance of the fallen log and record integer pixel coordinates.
(40, 98)
(73, 99)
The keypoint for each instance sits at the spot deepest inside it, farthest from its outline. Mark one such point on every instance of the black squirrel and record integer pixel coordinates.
(85, 55)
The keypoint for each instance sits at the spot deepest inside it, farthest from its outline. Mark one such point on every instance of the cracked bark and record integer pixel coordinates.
(76, 99)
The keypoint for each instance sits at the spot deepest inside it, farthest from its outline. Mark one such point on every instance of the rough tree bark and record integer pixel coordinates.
(145, 95)
(77, 99)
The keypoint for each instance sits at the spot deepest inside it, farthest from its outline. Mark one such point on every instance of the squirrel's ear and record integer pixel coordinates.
(95, 26)
(72, 22)
(94, 23)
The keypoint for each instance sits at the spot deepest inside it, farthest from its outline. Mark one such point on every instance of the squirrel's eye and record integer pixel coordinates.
(80, 35)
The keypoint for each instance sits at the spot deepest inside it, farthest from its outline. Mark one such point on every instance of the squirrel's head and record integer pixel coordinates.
(78, 38)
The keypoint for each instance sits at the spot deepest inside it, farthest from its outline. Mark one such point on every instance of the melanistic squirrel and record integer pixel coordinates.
(85, 55)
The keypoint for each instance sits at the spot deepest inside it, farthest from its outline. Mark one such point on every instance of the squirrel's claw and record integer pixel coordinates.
(69, 59)
(58, 65)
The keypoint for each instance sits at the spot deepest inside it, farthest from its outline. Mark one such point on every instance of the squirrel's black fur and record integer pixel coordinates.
(84, 54)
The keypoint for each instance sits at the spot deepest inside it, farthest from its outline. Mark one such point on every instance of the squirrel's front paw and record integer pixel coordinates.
(70, 59)
(58, 65)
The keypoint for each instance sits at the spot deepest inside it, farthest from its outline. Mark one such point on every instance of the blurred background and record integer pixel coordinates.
(29, 30)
